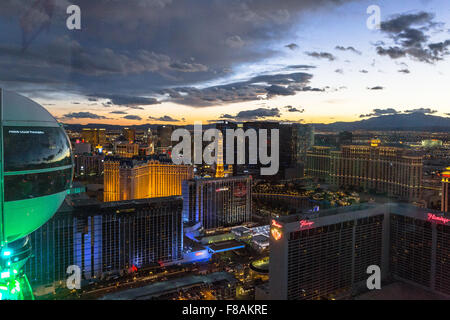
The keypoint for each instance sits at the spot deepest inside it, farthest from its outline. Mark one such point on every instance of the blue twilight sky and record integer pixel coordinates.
(180, 61)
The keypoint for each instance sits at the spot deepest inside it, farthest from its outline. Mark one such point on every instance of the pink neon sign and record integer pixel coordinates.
(306, 223)
(434, 218)
(276, 224)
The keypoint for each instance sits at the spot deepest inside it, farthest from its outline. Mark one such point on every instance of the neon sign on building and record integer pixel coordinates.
(276, 233)
(276, 224)
(306, 223)
(437, 219)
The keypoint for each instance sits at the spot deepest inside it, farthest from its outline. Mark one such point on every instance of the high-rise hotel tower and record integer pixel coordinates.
(446, 190)
(373, 168)
(127, 180)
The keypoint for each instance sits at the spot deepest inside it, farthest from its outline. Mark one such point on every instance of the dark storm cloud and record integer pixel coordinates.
(301, 66)
(132, 117)
(391, 111)
(188, 67)
(403, 22)
(260, 113)
(292, 46)
(235, 42)
(118, 112)
(293, 109)
(164, 119)
(128, 101)
(83, 115)
(410, 34)
(139, 47)
(321, 55)
(376, 88)
(406, 71)
(351, 49)
(275, 90)
(380, 112)
(363, 71)
(259, 87)
(421, 110)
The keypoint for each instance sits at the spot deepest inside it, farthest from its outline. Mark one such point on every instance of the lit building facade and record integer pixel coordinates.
(294, 141)
(217, 203)
(372, 168)
(127, 180)
(381, 169)
(81, 148)
(129, 134)
(445, 202)
(94, 136)
(88, 164)
(326, 255)
(164, 141)
(318, 160)
(106, 239)
(126, 150)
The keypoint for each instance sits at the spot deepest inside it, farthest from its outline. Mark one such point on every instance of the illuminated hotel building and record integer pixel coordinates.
(219, 159)
(217, 202)
(106, 239)
(127, 150)
(129, 134)
(127, 180)
(94, 136)
(446, 190)
(373, 168)
(88, 164)
(381, 169)
(164, 141)
(318, 162)
(326, 255)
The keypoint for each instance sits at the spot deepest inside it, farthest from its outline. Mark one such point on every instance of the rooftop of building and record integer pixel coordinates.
(399, 291)
(260, 238)
(225, 246)
(221, 179)
(164, 287)
(392, 207)
(82, 203)
(240, 229)
(139, 160)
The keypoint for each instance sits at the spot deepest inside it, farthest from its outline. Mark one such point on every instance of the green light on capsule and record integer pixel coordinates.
(6, 253)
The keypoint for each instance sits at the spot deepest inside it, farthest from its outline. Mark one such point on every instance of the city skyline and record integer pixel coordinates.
(276, 61)
(234, 150)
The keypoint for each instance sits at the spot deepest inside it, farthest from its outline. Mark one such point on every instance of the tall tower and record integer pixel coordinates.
(445, 207)
(219, 159)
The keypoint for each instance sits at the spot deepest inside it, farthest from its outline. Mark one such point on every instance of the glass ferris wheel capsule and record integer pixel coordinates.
(36, 165)
(36, 169)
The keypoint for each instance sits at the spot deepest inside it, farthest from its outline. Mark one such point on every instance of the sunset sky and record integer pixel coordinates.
(180, 61)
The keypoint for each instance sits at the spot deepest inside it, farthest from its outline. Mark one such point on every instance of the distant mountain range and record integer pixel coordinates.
(400, 122)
